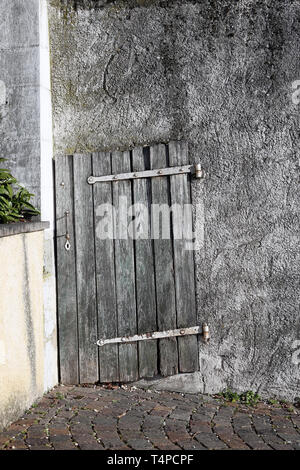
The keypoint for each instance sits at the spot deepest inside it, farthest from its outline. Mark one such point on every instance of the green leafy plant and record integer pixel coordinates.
(273, 401)
(248, 398)
(231, 396)
(15, 203)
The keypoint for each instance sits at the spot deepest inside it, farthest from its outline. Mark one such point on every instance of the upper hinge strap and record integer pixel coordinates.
(176, 170)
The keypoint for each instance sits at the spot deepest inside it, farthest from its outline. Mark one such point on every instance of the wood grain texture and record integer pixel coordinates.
(125, 270)
(183, 259)
(164, 271)
(66, 273)
(118, 286)
(144, 260)
(105, 271)
(85, 269)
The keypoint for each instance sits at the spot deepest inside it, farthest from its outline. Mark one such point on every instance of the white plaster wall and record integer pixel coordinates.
(47, 203)
(22, 361)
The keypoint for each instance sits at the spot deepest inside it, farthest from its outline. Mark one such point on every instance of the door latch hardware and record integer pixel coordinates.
(67, 245)
(67, 236)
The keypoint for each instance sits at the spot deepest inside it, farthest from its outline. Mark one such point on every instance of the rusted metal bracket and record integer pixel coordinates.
(196, 170)
(205, 333)
(193, 330)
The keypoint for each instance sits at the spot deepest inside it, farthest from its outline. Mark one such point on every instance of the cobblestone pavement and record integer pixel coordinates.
(98, 418)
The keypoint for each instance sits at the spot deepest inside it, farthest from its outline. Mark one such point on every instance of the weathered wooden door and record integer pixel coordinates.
(122, 286)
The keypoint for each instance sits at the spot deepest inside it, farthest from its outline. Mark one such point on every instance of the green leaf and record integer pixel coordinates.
(14, 199)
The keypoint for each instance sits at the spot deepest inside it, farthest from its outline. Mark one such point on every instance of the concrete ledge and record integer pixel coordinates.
(181, 383)
(25, 227)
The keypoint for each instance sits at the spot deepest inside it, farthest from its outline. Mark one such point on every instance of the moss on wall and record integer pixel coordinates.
(68, 5)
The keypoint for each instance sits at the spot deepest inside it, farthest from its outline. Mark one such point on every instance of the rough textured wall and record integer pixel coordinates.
(218, 74)
(21, 324)
(20, 103)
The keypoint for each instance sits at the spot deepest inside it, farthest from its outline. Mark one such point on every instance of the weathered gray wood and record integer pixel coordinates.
(144, 260)
(85, 268)
(105, 271)
(178, 153)
(66, 273)
(125, 274)
(164, 271)
(183, 259)
(132, 283)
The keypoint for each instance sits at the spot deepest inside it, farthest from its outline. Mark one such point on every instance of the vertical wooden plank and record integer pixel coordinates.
(125, 275)
(164, 271)
(85, 268)
(66, 273)
(105, 269)
(183, 260)
(144, 261)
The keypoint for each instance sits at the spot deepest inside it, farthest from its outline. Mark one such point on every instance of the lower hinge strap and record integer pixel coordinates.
(193, 330)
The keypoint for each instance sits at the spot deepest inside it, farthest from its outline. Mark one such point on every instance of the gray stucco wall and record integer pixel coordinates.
(218, 74)
(20, 104)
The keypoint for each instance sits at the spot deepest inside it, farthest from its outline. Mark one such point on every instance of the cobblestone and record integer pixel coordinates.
(99, 418)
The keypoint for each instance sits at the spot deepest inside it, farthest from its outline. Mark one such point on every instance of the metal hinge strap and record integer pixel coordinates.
(176, 170)
(193, 330)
